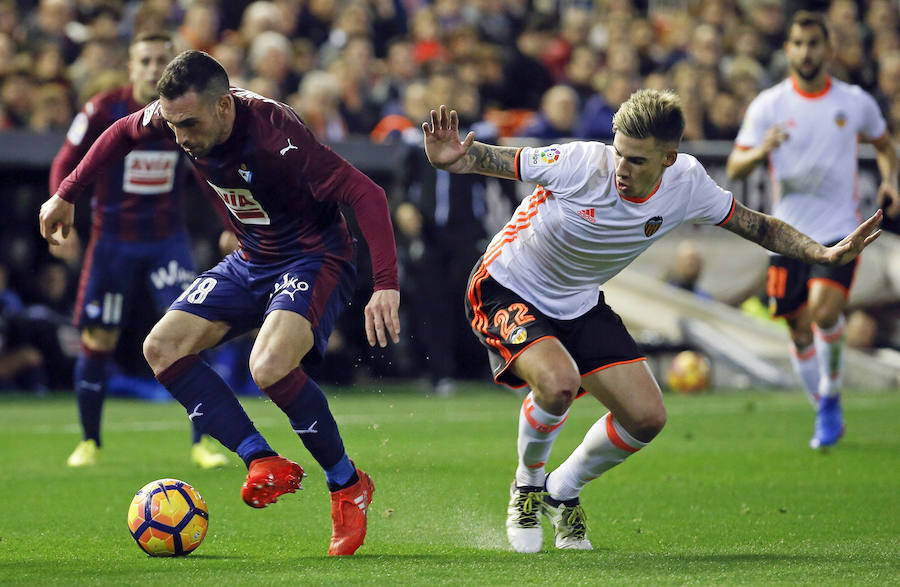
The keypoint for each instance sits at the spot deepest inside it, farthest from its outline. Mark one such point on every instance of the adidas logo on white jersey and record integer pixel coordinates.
(587, 214)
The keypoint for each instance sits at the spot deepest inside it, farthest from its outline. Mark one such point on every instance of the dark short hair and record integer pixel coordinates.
(193, 71)
(151, 37)
(805, 18)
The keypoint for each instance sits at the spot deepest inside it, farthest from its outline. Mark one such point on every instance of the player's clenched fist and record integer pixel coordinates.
(56, 214)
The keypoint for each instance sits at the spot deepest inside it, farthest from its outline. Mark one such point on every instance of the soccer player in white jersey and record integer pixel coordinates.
(534, 300)
(808, 128)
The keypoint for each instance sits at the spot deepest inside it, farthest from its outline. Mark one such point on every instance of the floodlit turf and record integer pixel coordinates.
(728, 494)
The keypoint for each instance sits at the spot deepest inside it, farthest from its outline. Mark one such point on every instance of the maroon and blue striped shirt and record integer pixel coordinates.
(138, 198)
(281, 186)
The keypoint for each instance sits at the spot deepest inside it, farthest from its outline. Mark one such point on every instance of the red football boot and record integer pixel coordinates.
(270, 477)
(348, 515)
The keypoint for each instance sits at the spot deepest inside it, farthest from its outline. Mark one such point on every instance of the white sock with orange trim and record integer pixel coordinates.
(806, 366)
(604, 446)
(538, 429)
(830, 351)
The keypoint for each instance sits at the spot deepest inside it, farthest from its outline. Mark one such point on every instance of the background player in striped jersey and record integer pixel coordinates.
(291, 276)
(808, 128)
(138, 243)
(533, 299)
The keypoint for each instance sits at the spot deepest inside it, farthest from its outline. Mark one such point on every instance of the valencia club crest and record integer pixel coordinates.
(652, 225)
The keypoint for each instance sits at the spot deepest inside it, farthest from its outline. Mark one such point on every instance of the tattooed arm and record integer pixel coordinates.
(782, 238)
(490, 160)
(446, 151)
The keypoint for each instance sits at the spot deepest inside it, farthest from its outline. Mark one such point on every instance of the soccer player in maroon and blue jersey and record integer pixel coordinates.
(293, 273)
(138, 241)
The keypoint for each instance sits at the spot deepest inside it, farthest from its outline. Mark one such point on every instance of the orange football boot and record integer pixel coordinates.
(270, 477)
(348, 515)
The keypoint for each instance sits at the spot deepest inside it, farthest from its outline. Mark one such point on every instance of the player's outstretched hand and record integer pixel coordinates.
(442, 145)
(847, 250)
(56, 214)
(383, 317)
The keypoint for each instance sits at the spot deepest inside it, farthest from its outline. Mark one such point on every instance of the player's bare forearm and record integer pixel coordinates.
(742, 161)
(445, 151)
(886, 159)
(775, 235)
(491, 160)
(888, 166)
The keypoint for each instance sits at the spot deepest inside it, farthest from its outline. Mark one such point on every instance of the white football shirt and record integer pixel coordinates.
(814, 172)
(575, 231)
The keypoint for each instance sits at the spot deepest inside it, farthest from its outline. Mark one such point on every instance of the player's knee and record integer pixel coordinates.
(162, 351)
(651, 424)
(646, 425)
(557, 388)
(156, 352)
(802, 339)
(825, 317)
(269, 368)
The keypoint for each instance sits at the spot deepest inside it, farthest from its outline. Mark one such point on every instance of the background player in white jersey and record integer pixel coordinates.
(808, 127)
(533, 299)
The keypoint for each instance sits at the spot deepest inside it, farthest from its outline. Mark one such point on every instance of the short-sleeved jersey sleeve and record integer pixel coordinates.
(756, 123)
(710, 203)
(874, 125)
(562, 169)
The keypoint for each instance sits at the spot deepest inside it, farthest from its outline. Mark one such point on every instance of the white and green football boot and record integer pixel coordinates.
(523, 519)
(569, 522)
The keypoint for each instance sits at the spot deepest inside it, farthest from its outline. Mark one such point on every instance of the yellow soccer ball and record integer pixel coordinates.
(689, 372)
(167, 517)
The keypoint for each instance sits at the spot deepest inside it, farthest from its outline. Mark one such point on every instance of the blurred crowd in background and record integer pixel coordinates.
(346, 65)
(546, 69)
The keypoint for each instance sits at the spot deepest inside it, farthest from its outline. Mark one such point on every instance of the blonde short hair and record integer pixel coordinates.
(651, 113)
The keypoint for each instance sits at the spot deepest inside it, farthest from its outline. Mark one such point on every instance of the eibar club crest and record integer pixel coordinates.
(245, 173)
(652, 225)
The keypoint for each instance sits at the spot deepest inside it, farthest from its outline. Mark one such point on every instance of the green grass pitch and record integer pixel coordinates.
(728, 494)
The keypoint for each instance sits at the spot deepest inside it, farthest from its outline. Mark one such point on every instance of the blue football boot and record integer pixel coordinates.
(829, 422)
